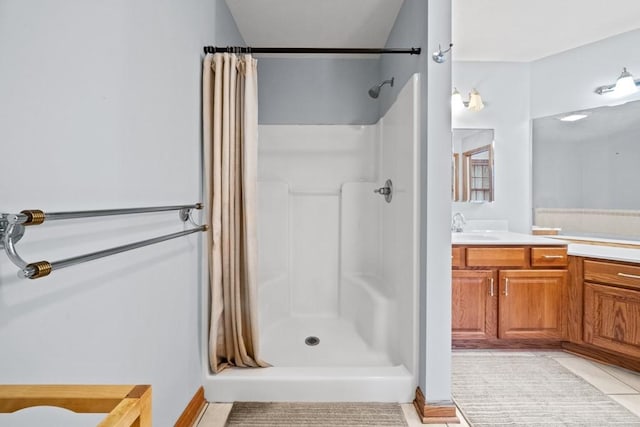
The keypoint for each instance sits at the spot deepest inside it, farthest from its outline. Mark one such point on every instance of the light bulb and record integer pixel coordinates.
(456, 101)
(475, 101)
(625, 85)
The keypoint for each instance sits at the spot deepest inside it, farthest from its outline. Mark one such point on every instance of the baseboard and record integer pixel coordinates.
(434, 414)
(604, 356)
(520, 344)
(192, 411)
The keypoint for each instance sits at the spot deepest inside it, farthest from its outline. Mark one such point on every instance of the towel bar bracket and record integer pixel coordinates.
(184, 214)
(16, 232)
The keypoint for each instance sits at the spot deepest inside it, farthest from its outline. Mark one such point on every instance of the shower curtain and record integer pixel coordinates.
(230, 132)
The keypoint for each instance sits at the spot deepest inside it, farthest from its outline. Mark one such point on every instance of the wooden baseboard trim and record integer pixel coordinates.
(434, 414)
(603, 356)
(192, 411)
(520, 344)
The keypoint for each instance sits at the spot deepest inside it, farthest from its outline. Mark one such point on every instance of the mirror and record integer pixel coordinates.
(586, 173)
(473, 166)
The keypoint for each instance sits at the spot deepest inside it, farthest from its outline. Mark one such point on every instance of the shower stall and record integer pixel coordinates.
(338, 262)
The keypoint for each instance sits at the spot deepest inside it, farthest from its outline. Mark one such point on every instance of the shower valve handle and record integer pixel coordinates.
(386, 191)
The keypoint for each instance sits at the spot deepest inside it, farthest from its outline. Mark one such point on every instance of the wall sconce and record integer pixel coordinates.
(625, 85)
(474, 103)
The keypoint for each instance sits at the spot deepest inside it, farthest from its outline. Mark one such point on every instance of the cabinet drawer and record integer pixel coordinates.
(496, 257)
(549, 257)
(457, 257)
(609, 272)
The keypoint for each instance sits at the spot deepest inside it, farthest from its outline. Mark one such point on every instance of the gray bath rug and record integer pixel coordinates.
(279, 414)
(529, 390)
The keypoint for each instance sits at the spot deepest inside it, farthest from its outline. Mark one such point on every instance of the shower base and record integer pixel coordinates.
(340, 368)
(283, 344)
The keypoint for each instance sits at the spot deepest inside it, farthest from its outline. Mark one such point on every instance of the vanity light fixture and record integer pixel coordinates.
(625, 85)
(474, 103)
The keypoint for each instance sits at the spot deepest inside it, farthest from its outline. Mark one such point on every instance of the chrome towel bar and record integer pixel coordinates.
(35, 216)
(12, 228)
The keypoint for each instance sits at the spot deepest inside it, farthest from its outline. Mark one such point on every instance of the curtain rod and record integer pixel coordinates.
(248, 49)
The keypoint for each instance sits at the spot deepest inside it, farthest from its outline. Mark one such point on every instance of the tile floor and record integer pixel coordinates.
(620, 384)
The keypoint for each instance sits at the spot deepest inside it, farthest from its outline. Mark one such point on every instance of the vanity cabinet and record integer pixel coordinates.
(532, 304)
(611, 318)
(508, 295)
(475, 306)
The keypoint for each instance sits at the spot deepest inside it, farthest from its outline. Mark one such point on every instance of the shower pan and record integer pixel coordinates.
(338, 282)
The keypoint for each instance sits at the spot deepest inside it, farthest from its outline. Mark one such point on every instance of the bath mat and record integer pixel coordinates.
(529, 390)
(279, 414)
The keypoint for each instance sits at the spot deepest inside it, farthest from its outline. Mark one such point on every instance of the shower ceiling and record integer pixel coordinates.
(483, 30)
(315, 23)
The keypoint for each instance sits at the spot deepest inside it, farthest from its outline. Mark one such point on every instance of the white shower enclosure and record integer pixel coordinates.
(338, 282)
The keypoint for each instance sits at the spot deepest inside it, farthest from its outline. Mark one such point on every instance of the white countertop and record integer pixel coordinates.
(506, 238)
(498, 238)
(604, 252)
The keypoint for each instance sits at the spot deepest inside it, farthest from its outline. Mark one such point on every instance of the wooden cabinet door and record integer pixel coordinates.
(474, 304)
(532, 304)
(612, 318)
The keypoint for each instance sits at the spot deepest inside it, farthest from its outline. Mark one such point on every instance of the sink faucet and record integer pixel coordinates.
(457, 221)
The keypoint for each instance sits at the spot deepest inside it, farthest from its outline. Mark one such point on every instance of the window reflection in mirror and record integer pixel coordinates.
(455, 173)
(473, 181)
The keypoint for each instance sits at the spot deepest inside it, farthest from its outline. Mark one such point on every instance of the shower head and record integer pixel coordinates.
(374, 92)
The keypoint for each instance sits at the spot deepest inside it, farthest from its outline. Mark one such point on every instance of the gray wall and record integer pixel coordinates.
(504, 86)
(566, 81)
(425, 24)
(597, 172)
(101, 102)
(317, 91)
(225, 29)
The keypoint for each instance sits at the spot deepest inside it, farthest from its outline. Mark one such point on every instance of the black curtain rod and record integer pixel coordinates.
(244, 49)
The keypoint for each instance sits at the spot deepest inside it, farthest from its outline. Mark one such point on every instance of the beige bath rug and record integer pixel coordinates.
(279, 414)
(529, 390)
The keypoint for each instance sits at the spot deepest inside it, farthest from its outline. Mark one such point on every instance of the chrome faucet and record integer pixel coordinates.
(457, 221)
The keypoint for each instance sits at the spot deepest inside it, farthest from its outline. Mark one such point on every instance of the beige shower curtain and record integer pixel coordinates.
(230, 132)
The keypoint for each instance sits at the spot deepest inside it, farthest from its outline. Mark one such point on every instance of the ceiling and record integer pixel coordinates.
(600, 124)
(315, 23)
(526, 30)
(483, 30)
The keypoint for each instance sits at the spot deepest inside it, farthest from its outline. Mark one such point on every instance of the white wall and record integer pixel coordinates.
(400, 243)
(101, 109)
(505, 89)
(301, 172)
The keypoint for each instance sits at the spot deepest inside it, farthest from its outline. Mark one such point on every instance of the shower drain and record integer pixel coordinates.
(312, 340)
